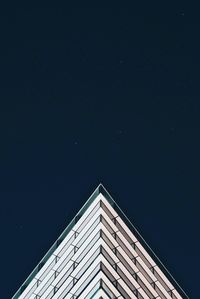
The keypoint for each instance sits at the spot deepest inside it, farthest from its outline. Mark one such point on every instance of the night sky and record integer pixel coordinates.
(99, 94)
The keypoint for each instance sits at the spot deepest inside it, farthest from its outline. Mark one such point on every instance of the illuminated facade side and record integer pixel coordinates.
(100, 255)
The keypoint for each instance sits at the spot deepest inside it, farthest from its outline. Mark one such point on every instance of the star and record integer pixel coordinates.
(119, 132)
(182, 13)
(172, 130)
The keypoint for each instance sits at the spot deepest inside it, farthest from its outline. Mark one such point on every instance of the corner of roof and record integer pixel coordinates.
(102, 190)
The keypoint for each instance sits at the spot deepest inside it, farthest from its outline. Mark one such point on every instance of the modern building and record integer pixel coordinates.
(100, 255)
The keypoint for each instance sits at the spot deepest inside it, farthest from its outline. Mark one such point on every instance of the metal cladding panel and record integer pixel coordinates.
(100, 255)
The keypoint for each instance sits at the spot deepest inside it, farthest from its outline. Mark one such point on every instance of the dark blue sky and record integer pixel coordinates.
(92, 95)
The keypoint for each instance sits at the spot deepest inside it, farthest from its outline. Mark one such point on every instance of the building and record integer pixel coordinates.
(100, 255)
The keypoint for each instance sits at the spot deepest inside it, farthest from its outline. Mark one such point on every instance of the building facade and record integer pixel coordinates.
(100, 255)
